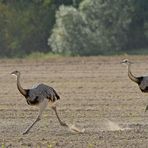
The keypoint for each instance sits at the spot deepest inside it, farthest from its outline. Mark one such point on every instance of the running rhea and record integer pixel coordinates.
(39, 96)
(142, 81)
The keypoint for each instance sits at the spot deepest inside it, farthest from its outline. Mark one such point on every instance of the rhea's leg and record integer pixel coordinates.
(61, 122)
(28, 129)
(42, 107)
(146, 108)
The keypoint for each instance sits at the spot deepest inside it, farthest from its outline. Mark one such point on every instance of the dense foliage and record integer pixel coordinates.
(96, 26)
(76, 27)
(26, 25)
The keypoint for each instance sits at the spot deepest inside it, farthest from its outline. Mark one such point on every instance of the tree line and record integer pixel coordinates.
(74, 27)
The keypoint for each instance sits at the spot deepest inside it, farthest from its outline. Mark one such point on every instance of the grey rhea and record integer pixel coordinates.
(40, 96)
(142, 81)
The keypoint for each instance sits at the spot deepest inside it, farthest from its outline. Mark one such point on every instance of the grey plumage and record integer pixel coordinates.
(144, 83)
(41, 92)
(40, 95)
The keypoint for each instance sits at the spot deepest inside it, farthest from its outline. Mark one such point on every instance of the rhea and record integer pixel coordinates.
(40, 96)
(142, 81)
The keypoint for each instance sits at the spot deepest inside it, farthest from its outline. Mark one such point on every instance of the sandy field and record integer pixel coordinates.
(96, 94)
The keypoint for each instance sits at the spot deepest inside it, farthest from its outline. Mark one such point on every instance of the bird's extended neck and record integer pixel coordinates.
(22, 91)
(130, 75)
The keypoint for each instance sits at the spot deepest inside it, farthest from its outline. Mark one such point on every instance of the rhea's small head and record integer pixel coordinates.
(15, 73)
(126, 61)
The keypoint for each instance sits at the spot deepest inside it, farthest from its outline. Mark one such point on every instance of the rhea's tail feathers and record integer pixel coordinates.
(57, 96)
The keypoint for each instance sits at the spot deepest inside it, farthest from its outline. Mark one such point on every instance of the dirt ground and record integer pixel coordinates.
(96, 94)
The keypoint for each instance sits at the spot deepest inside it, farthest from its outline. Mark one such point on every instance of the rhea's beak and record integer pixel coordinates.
(12, 73)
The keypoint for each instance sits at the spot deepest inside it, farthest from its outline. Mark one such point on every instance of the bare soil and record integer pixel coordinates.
(96, 94)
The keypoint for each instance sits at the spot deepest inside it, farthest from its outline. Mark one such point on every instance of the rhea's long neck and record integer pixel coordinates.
(22, 91)
(130, 75)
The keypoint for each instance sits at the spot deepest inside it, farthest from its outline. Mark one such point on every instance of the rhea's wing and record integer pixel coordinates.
(144, 83)
(49, 92)
(43, 91)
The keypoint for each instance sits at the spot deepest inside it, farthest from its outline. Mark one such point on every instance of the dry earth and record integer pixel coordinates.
(96, 94)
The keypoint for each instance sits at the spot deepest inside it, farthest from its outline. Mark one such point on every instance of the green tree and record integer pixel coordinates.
(97, 26)
(6, 16)
(65, 37)
(138, 34)
(26, 25)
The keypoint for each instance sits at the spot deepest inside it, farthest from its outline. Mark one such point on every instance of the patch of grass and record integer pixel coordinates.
(90, 145)
(143, 51)
(41, 55)
(46, 56)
